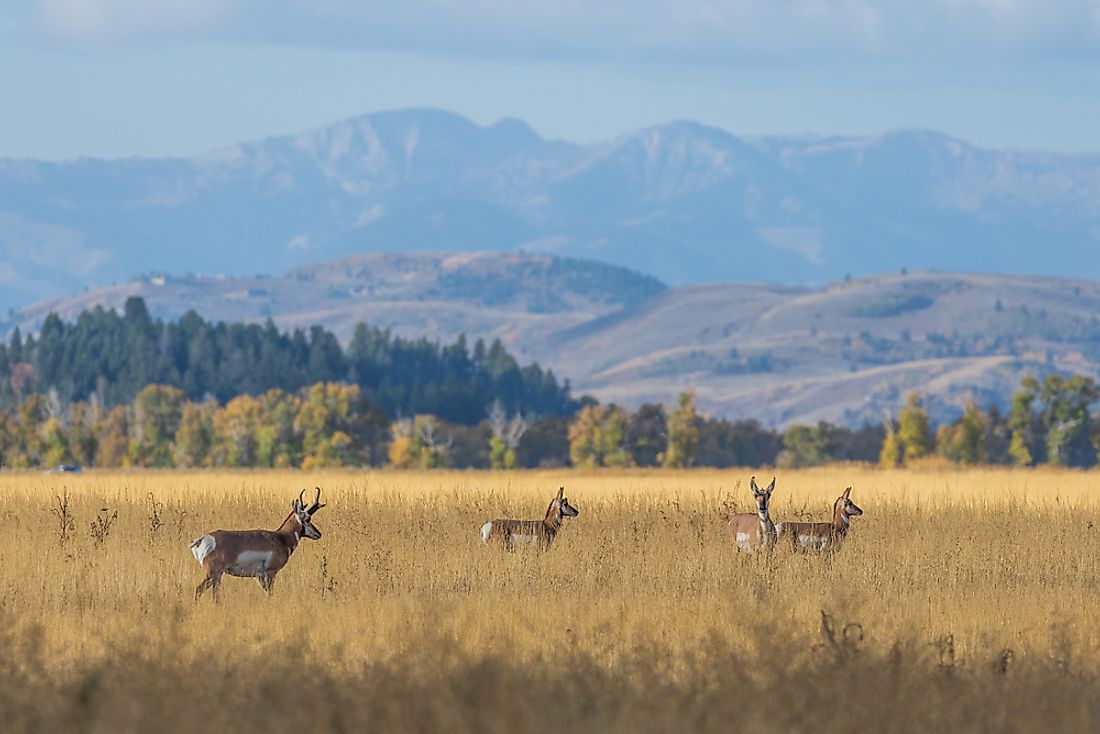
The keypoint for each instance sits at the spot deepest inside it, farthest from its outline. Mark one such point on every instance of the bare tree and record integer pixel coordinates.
(55, 408)
(437, 450)
(510, 431)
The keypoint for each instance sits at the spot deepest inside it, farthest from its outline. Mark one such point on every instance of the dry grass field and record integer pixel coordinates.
(964, 600)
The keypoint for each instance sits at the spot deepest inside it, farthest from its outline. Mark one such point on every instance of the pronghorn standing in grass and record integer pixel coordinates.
(822, 535)
(753, 531)
(516, 532)
(257, 553)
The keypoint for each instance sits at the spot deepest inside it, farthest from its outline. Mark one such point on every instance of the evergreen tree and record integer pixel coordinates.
(647, 435)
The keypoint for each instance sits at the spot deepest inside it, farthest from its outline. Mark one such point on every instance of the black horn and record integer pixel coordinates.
(316, 503)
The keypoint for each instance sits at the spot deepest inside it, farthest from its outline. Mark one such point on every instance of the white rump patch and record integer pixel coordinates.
(202, 547)
(486, 529)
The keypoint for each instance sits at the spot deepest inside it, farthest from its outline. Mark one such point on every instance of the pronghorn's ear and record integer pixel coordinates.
(752, 485)
(847, 492)
(771, 486)
(561, 492)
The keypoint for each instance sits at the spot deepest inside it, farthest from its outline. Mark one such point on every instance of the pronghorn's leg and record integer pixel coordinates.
(215, 585)
(203, 586)
(266, 581)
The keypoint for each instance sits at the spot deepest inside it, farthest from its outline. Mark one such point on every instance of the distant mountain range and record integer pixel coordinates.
(683, 202)
(848, 352)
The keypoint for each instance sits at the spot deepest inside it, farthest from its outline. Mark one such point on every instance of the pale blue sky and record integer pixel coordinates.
(173, 77)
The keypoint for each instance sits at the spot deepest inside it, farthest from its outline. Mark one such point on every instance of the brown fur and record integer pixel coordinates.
(544, 530)
(280, 543)
(827, 535)
(757, 525)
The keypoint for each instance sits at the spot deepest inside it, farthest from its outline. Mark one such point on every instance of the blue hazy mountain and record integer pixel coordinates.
(681, 201)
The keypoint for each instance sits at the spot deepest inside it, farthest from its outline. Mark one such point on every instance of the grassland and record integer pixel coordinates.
(961, 600)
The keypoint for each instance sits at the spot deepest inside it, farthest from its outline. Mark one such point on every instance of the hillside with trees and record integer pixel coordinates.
(109, 358)
(846, 353)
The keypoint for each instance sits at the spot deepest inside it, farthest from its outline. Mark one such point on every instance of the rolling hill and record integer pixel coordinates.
(681, 201)
(845, 352)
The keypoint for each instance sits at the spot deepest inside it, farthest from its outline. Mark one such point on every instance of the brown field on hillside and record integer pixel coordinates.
(961, 599)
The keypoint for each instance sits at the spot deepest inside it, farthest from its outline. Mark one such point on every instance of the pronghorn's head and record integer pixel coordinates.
(567, 510)
(763, 497)
(305, 514)
(846, 506)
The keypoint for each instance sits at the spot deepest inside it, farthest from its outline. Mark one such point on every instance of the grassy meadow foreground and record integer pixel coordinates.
(961, 599)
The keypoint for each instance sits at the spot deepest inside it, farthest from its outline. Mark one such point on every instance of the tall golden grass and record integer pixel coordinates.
(961, 599)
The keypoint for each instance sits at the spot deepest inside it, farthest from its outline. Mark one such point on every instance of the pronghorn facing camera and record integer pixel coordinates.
(820, 536)
(754, 531)
(257, 553)
(511, 533)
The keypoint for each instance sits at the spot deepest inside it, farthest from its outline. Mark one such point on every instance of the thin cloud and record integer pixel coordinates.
(110, 20)
(646, 29)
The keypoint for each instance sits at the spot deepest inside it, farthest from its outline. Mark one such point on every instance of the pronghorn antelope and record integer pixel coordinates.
(754, 530)
(258, 553)
(822, 535)
(515, 532)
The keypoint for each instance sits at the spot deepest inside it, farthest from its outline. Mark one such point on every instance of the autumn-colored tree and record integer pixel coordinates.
(892, 454)
(332, 421)
(400, 452)
(964, 441)
(79, 433)
(235, 427)
(113, 438)
(418, 443)
(26, 450)
(53, 445)
(1023, 424)
(805, 446)
(7, 440)
(195, 435)
(683, 433)
(914, 430)
(156, 415)
(597, 437)
(278, 443)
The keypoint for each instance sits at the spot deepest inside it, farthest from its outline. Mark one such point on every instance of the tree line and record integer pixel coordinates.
(332, 424)
(1050, 422)
(112, 357)
(236, 395)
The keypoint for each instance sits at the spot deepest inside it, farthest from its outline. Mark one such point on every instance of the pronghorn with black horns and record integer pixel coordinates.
(257, 553)
(752, 531)
(521, 532)
(819, 536)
